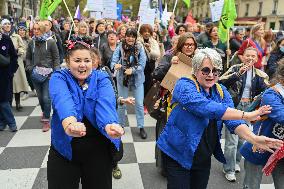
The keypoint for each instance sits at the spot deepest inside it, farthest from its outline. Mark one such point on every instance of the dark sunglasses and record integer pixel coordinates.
(206, 71)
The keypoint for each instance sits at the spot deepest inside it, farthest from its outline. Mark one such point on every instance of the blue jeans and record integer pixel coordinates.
(181, 178)
(42, 90)
(232, 146)
(6, 116)
(139, 108)
(253, 175)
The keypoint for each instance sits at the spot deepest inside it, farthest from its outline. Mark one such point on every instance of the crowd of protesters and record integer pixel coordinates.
(78, 54)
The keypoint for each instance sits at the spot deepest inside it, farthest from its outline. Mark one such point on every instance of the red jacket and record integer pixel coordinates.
(250, 43)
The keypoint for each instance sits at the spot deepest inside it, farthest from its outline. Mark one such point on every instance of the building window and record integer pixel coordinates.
(274, 11)
(259, 8)
(247, 9)
(272, 25)
(281, 27)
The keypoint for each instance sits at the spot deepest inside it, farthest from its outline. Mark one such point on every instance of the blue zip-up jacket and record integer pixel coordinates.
(190, 117)
(273, 127)
(97, 104)
(137, 71)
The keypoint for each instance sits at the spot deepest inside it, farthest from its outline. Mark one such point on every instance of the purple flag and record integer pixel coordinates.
(78, 13)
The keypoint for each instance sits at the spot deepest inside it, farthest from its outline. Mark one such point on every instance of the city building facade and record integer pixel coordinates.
(18, 8)
(270, 12)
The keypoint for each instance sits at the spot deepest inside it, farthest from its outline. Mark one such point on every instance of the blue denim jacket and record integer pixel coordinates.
(68, 99)
(272, 127)
(190, 117)
(137, 72)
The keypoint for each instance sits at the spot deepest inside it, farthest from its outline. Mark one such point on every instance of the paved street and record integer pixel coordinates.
(23, 156)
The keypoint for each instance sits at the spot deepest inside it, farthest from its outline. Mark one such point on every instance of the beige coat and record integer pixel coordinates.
(20, 82)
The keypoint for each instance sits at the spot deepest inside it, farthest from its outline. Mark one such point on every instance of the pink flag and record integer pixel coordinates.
(189, 18)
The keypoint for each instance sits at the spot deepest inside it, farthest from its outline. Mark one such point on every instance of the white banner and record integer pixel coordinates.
(148, 17)
(95, 5)
(216, 10)
(110, 7)
(144, 6)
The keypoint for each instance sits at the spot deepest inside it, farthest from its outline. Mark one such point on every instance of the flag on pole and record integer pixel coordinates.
(187, 2)
(78, 13)
(229, 14)
(164, 19)
(48, 7)
(160, 8)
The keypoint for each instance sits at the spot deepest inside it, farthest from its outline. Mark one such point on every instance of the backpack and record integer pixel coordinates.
(172, 106)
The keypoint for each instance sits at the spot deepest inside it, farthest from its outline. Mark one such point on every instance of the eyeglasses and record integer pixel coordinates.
(189, 45)
(206, 71)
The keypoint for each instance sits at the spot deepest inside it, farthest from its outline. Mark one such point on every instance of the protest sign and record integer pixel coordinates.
(216, 10)
(176, 71)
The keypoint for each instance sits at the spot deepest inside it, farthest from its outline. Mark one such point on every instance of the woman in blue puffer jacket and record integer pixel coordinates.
(272, 127)
(193, 131)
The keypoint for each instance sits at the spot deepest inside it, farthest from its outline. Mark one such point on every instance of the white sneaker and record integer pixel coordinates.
(237, 168)
(231, 177)
(25, 96)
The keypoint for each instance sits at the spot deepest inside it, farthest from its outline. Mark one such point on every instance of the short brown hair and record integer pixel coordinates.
(146, 27)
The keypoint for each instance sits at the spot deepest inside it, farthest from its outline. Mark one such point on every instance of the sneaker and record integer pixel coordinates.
(116, 173)
(46, 126)
(231, 177)
(25, 96)
(13, 129)
(143, 133)
(237, 168)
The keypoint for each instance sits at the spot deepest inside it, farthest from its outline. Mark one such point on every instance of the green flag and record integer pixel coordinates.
(48, 7)
(187, 2)
(229, 14)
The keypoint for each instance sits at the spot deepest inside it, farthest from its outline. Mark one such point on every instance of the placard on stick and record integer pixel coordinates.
(176, 71)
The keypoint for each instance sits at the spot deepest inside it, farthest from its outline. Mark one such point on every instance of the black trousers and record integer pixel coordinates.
(181, 178)
(91, 163)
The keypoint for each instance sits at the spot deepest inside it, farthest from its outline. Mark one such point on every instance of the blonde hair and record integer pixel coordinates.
(42, 27)
(83, 24)
(254, 29)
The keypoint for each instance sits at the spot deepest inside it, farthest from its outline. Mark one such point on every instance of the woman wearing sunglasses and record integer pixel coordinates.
(186, 44)
(192, 133)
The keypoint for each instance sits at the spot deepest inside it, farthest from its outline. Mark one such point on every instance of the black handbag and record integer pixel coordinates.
(4, 61)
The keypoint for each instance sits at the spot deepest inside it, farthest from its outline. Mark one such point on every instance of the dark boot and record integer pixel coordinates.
(143, 133)
(17, 99)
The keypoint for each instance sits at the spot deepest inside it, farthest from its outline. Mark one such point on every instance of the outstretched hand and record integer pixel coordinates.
(263, 143)
(114, 130)
(76, 129)
(256, 115)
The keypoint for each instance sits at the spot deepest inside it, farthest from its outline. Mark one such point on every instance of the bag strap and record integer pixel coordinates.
(218, 86)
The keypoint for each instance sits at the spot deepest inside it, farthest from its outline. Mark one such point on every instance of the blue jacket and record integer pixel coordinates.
(137, 72)
(68, 99)
(272, 127)
(190, 117)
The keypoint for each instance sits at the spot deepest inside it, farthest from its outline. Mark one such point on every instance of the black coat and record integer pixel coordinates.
(6, 73)
(163, 67)
(272, 62)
